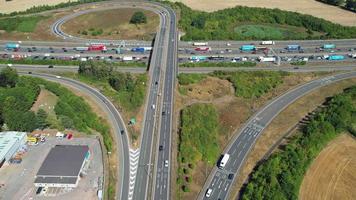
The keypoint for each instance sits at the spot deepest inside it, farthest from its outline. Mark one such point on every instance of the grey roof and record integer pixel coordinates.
(56, 180)
(63, 160)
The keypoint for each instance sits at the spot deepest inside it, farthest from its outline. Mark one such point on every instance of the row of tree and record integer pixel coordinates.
(221, 25)
(348, 4)
(281, 175)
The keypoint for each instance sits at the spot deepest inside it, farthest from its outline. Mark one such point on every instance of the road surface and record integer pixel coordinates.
(241, 145)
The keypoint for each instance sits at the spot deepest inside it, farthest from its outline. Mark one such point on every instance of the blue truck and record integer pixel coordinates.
(141, 49)
(248, 48)
(198, 58)
(293, 47)
(336, 57)
(329, 46)
(12, 46)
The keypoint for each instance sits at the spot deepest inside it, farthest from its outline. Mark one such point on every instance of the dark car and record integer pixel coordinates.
(50, 66)
(230, 176)
(160, 147)
(29, 72)
(39, 190)
(156, 82)
(122, 132)
(163, 113)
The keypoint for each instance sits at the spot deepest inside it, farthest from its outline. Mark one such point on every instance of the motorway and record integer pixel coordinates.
(245, 139)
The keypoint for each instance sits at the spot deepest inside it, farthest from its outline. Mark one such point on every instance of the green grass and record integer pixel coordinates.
(273, 32)
(197, 140)
(20, 24)
(252, 84)
(298, 63)
(218, 64)
(186, 79)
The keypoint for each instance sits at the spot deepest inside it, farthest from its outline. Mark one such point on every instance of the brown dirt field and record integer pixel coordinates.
(46, 100)
(233, 112)
(115, 24)
(284, 122)
(311, 7)
(332, 175)
(21, 5)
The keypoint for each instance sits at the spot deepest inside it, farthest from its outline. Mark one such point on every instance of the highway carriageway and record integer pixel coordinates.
(70, 50)
(303, 43)
(57, 68)
(243, 141)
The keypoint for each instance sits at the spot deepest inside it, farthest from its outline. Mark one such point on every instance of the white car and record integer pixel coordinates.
(166, 163)
(153, 106)
(208, 192)
(58, 76)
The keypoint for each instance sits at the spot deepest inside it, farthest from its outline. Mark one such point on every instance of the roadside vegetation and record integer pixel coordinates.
(138, 18)
(252, 84)
(245, 23)
(197, 141)
(348, 4)
(128, 90)
(30, 61)
(298, 63)
(281, 175)
(20, 24)
(185, 79)
(17, 95)
(218, 64)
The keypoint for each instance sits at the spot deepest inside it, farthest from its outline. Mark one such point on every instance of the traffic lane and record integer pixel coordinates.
(146, 142)
(282, 43)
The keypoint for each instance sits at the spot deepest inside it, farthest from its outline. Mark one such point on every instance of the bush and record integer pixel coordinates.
(186, 79)
(138, 18)
(252, 84)
(220, 25)
(281, 175)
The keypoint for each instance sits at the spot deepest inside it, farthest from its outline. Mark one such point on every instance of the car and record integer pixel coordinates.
(39, 190)
(29, 72)
(208, 192)
(153, 106)
(160, 147)
(163, 113)
(50, 66)
(230, 176)
(69, 136)
(122, 132)
(58, 76)
(156, 82)
(166, 163)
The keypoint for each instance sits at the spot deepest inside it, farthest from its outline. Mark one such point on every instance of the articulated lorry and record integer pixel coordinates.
(268, 42)
(248, 48)
(336, 57)
(200, 44)
(329, 46)
(12, 46)
(266, 59)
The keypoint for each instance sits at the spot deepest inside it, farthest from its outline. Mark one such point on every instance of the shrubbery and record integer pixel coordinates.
(281, 175)
(138, 18)
(185, 79)
(252, 84)
(20, 24)
(220, 25)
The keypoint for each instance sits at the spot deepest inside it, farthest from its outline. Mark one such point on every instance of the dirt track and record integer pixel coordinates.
(332, 175)
(311, 7)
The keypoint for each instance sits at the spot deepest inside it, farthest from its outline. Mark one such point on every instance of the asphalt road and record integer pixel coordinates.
(241, 145)
(144, 171)
(161, 186)
(115, 118)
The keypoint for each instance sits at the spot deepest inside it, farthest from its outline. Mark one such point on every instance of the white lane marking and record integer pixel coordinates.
(134, 157)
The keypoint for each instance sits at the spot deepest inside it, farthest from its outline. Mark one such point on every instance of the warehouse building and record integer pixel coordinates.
(62, 166)
(10, 143)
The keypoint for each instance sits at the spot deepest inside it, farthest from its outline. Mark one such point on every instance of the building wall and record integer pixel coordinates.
(20, 140)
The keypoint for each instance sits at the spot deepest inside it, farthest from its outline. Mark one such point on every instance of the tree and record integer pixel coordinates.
(96, 69)
(138, 18)
(42, 122)
(351, 5)
(8, 77)
(66, 122)
(198, 22)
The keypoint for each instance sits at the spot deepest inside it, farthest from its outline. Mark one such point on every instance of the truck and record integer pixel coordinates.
(336, 57)
(118, 51)
(97, 47)
(247, 48)
(293, 47)
(197, 58)
(141, 49)
(81, 48)
(224, 160)
(266, 59)
(127, 58)
(216, 58)
(353, 55)
(329, 46)
(202, 49)
(200, 44)
(12, 46)
(268, 42)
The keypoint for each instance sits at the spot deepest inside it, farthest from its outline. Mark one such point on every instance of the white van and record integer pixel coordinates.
(224, 160)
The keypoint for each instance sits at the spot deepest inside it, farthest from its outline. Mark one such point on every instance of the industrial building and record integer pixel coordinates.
(10, 143)
(62, 166)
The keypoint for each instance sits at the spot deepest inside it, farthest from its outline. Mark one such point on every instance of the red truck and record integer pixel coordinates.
(202, 49)
(97, 47)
